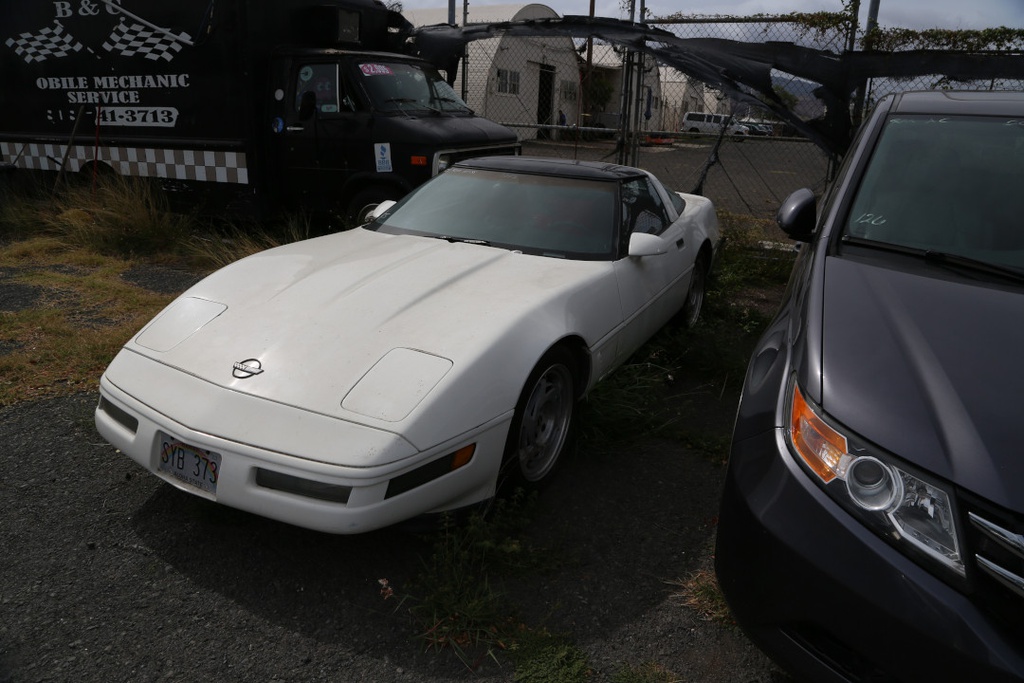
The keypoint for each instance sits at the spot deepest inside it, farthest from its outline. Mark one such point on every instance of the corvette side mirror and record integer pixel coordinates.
(380, 209)
(646, 244)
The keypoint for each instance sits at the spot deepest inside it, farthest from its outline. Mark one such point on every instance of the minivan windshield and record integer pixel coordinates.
(950, 185)
(407, 87)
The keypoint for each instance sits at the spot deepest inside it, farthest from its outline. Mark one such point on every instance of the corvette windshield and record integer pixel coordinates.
(405, 87)
(536, 214)
(948, 186)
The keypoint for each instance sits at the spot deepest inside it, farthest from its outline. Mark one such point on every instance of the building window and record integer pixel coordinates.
(508, 81)
(568, 91)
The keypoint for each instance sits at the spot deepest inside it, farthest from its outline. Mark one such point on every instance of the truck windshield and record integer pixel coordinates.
(405, 87)
(947, 185)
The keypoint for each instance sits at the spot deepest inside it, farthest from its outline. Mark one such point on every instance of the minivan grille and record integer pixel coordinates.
(996, 542)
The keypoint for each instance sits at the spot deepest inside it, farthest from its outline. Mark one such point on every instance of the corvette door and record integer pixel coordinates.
(651, 288)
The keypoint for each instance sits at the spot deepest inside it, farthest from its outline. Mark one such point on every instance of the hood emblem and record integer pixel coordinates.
(244, 369)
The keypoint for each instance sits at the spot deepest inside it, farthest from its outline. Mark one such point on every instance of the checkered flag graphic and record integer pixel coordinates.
(135, 39)
(51, 41)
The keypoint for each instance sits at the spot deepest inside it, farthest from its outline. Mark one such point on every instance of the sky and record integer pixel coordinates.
(915, 14)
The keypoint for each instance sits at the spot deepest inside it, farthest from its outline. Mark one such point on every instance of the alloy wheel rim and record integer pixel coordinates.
(545, 423)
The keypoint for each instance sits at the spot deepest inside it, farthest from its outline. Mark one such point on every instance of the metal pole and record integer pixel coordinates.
(625, 101)
(641, 62)
(861, 95)
(465, 53)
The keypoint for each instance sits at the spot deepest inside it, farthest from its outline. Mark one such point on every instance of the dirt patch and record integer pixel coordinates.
(161, 279)
(15, 296)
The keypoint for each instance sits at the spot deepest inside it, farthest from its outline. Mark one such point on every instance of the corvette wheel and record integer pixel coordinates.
(541, 424)
(695, 294)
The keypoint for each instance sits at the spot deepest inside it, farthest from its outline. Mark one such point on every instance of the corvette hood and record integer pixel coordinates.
(305, 323)
(930, 368)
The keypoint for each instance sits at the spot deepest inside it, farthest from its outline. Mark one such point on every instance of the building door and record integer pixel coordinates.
(545, 100)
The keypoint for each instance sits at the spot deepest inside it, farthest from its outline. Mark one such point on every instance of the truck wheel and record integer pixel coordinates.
(366, 201)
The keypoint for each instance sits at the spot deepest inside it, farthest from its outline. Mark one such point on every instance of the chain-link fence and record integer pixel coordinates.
(584, 99)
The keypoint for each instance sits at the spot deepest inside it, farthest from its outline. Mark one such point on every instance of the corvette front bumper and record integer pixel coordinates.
(275, 460)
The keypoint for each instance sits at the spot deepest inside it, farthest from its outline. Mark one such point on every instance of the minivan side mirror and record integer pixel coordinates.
(798, 214)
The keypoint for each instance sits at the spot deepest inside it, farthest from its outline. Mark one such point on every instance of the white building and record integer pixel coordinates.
(646, 92)
(521, 82)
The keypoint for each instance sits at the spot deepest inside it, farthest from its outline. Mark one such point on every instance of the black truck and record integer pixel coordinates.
(243, 106)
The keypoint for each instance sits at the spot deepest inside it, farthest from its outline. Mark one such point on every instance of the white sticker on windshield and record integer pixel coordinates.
(375, 70)
(383, 154)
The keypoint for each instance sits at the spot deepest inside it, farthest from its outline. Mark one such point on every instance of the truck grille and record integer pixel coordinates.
(996, 542)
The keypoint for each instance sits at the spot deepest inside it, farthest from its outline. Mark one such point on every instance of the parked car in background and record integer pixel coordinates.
(711, 124)
(872, 521)
(759, 128)
(408, 366)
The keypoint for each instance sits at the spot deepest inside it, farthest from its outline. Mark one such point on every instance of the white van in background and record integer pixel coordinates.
(700, 122)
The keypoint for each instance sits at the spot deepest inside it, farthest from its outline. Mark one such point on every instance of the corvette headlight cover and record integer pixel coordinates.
(179, 321)
(900, 503)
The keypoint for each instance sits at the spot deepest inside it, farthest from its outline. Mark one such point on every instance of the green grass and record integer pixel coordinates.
(453, 602)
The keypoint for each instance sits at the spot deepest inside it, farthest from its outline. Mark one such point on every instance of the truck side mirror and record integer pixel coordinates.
(307, 105)
(798, 214)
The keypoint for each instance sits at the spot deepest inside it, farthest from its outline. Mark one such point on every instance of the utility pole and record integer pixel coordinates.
(868, 46)
(626, 100)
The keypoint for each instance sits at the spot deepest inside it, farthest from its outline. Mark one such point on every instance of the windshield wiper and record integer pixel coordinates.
(978, 265)
(463, 240)
(459, 104)
(411, 100)
(941, 257)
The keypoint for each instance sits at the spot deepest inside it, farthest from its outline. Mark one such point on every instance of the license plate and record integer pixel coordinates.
(194, 466)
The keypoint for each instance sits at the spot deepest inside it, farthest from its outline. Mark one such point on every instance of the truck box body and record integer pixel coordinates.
(207, 95)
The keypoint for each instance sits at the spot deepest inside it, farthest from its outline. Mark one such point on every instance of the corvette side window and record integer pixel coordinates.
(642, 208)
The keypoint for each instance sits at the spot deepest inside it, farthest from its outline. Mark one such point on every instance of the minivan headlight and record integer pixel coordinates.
(903, 505)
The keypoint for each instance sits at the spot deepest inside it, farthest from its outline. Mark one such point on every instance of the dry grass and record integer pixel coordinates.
(81, 313)
(64, 252)
(700, 592)
(212, 250)
(118, 216)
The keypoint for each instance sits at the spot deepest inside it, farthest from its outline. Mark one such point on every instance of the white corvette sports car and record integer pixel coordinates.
(352, 381)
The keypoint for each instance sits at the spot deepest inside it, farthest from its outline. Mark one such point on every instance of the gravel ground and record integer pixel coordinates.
(108, 574)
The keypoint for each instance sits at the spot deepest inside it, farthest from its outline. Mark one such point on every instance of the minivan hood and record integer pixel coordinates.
(929, 367)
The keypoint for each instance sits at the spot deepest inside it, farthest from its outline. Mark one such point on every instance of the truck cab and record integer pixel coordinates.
(356, 128)
(239, 107)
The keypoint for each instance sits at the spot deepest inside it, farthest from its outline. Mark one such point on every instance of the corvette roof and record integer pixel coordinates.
(567, 168)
